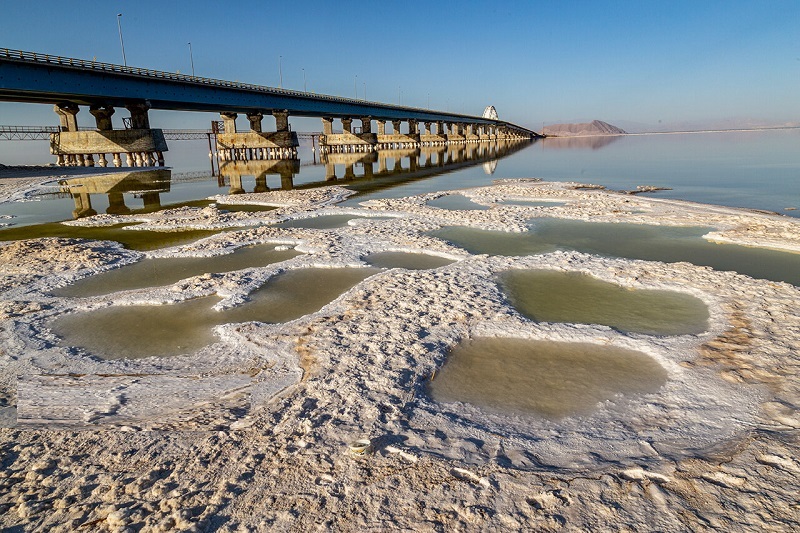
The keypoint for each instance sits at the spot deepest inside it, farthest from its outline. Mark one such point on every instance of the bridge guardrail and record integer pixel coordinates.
(20, 55)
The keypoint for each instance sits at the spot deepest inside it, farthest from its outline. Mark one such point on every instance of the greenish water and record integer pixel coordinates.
(136, 331)
(155, 272)
(405, 260)
(456, 202)
(132, 239)
(547, 379)
(633, 241)
(553, 296)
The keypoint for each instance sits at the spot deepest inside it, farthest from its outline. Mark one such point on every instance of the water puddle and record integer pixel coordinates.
(165, 271)
(543, 378)
(456, 202)
(322, 222)
(552, 296)
(132, 239)
(137, 331)
(247, 208)
(405, 260)
(633, 241)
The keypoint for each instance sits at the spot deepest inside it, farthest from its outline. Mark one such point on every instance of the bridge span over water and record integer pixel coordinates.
(69, 83)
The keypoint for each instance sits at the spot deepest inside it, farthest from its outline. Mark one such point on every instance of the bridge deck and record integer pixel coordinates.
(41, 78)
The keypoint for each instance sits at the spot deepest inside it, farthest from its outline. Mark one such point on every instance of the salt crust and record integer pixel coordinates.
(265, 414)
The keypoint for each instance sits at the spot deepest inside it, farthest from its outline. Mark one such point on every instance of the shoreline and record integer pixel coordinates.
(266, 413)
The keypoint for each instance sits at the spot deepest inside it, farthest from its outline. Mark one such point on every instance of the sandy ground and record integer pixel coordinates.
(252, 432)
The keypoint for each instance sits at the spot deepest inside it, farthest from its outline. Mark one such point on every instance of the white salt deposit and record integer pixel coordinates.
(255, 428)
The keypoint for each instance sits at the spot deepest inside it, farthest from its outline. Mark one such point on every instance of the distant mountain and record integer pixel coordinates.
(595, 127)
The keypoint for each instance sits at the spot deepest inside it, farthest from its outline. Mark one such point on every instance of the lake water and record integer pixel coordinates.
(759, 170)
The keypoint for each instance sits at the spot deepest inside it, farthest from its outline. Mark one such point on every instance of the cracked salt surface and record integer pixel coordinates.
(289, 397)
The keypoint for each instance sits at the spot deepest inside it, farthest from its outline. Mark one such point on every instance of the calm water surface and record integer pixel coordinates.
(542, 378)
(151, 272)
(633, 241)
(136, 331)
(758, 170)
(572, 297)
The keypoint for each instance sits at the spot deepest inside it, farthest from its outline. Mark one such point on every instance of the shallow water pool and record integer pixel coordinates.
(137, 331)
(456, 202)
(409, 261)
(634, 241)
(165, 271)
(543, 378)
(573, 297)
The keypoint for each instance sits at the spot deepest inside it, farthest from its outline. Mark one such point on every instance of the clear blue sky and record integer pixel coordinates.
(545, 61)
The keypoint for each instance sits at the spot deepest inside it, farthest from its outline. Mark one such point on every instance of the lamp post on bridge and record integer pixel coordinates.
(355, 86)
(121, 42)
(304, 81)
(280, 71)
(191, 58)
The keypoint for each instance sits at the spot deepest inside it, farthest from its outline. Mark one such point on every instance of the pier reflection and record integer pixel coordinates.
(231, 173)
(144, 191)
(365, 170)
(147, 185)
(368, 171)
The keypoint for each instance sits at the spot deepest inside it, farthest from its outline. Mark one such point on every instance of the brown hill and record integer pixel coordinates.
(595, 127)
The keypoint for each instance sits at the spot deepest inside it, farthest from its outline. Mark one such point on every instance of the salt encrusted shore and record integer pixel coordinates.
(252, 431)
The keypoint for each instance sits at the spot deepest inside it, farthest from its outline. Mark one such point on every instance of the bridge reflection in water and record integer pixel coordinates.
(369, 171)
(146, 184)
(361, 171)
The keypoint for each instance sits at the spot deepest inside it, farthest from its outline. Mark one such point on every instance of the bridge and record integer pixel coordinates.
(69, 83)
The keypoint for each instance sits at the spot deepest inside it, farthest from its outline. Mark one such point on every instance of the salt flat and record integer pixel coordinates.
(252, 431)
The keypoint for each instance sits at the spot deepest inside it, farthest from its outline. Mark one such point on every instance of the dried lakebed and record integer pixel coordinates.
(253, 429)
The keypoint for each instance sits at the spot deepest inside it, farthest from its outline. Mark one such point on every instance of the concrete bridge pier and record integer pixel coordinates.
(349, 141)
(257, 144)
(141, 144)
(455, 135)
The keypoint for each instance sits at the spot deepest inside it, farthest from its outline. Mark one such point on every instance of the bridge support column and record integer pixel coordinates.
(381, 127)
(139, 117)
(281, 121)
(102, 117)
(255, 121)
(67, 116)
(347, 125)
(256, 144)
(140, 144)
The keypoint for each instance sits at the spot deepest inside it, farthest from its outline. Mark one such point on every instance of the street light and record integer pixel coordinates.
(365, 91)
(355, 86)
(191, 58)
(280, 70)
(121, 43)
(304, 81)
